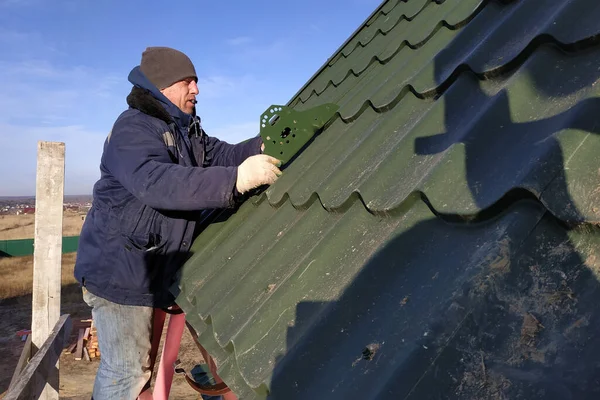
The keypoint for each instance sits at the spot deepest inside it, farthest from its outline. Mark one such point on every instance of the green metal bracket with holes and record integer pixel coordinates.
(285, 131)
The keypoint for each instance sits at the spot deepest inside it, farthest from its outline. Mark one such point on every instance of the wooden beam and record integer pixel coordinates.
(71, 348)
(43, 363)
(86, 334)
(47, 253)
(86, 354)
(25, 356)
(79, 348)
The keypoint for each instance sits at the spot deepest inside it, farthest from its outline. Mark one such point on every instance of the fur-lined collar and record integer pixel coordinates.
(143, 100)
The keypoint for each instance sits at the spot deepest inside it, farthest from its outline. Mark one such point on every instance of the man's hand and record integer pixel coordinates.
(256, 171)
(262, 147)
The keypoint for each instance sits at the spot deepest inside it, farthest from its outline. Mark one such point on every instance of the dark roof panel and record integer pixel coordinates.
(488, 311)
(438, 239)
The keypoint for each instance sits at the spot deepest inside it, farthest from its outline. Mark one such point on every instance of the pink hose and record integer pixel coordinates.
(164, 379)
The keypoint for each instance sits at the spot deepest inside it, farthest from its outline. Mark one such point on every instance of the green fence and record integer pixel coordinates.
(24, 247)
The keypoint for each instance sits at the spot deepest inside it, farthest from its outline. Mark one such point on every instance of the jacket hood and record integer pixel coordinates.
(138, 79)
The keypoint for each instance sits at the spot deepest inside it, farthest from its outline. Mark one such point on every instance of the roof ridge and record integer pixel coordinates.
(381, 12)
(356, 31)
(379, 31)
(405, 43)
(537, 41)
(540, 41)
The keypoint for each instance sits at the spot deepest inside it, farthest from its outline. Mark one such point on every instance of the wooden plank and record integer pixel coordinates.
(43, 362)
(47, 254)
(79, 350)
(25, 356)
(86, 355)
(71, 348)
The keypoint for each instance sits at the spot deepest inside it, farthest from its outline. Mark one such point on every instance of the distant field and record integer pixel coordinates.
(16, 275)
(23, 226)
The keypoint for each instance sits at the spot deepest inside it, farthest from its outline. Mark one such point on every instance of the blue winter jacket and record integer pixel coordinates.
(159, 171)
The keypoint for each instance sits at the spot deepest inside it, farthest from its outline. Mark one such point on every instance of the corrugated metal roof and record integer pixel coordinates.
(438, 239)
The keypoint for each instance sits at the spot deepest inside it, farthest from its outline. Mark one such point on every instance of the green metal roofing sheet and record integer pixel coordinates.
(438, 239)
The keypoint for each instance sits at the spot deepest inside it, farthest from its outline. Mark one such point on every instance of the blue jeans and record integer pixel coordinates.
(124, 339)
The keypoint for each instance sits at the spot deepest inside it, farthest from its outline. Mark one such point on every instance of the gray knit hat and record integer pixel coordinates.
(164, 66)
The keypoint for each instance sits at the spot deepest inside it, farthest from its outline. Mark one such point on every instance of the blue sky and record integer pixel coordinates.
(64, 67)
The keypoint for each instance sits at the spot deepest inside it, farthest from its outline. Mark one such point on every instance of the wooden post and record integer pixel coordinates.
(47, 256)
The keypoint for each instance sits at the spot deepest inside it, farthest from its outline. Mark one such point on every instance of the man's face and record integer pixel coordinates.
(183, 94)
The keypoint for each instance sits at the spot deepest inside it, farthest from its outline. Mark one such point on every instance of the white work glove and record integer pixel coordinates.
(256, 171)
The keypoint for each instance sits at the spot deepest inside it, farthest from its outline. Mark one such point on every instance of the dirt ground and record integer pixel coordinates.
(16, 278)
(76, 377)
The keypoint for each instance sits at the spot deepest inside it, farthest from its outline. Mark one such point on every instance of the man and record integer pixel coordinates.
(159, 170)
